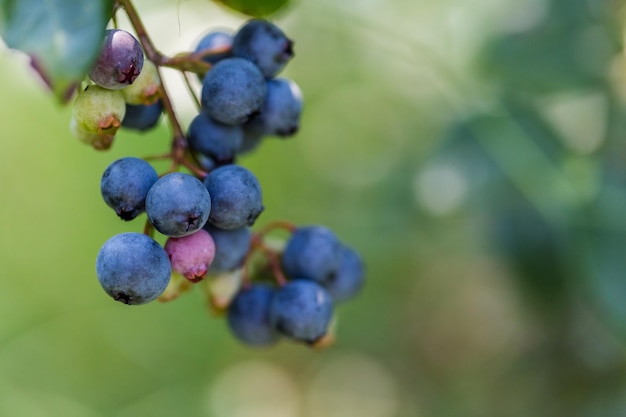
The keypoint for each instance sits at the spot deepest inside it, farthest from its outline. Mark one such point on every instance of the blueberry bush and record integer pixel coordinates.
(471, 152)
(205, 202)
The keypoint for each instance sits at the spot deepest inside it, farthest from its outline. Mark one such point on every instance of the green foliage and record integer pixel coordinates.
(255, 8)
(62, 37)
(569, 48)
(604, 261)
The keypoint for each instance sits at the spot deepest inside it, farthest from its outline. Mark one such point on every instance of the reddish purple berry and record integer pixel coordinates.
(120, 60)
(191, 255)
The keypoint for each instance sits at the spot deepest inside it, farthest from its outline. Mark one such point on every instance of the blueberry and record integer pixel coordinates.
(178, 204)
(248, 316)
(213, 139)
(125, 184)
(280, 114)
(133, 268)
(312, 252)
(145, 89)
(232, 91)
(235, 196)
(216, 39)
(301, 310)
(191, 255)
(264, 44)
(252, 138)
(97, 115)
(348, 279)
(231, 247)
(120, 60)
(142, 117)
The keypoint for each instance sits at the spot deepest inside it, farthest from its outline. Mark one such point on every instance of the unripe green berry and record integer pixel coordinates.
(81, 134)
(145, 89)
(97, 115)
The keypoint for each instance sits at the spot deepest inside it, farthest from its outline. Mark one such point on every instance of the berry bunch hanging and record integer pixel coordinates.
(206, 204)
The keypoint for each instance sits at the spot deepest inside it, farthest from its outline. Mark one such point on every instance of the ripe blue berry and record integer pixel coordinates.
(213, 139)
(264, 44)
(312, 252)
(120, 60)
(280, 114)
(178, 204)
(301, 310)
(252, 138)
(217, 39)
(348, 279)
(133, 268)
(235, 196)
(142, 117)
(125, 184)
(232, 91)
(231, 247)
(248, 316)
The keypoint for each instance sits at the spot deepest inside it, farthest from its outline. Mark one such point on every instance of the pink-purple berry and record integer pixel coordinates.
(191, 256)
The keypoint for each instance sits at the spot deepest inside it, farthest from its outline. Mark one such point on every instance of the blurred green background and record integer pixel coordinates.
(473, 152)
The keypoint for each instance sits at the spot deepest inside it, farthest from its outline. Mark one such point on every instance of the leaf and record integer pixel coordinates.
(256, 8)
(604, 274)
(62, 37)
(536, 250)
(565, 50)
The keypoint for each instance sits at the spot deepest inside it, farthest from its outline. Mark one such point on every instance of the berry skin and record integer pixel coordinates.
(248, 316)
(265, 45)
(97, 115)
(301, 310)
(235, 196)
(145, 89)
(280, 114)
(252, 138)
(312, 252)
(142, 117)
(90, 138)
(191, 255)
(120, 60)
(233, 91)
(231, 247)
(213, 139)
(349, 277)
(178, 204)
(133, 268)
(125, 184)
(213, 40)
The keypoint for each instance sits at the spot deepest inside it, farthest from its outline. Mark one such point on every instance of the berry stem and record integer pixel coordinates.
(192, 93)
(182, 62)
(257, 244)
(148, 229)
(146, 42)
(275, 265)
(279, 224)
(179, 142)
(193, 168)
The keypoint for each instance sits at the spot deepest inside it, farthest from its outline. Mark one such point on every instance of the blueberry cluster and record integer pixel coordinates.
(207, 215)
(242, 100)
(321, 272)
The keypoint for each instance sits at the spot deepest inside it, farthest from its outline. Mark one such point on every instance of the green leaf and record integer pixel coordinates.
(604, 279)
(256, 8)
(569, 49)
(62, 37)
